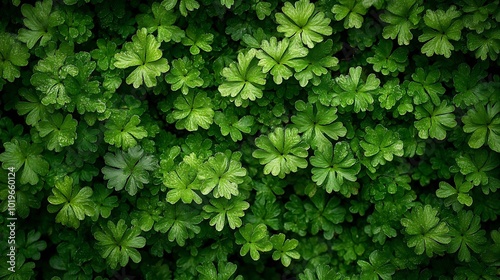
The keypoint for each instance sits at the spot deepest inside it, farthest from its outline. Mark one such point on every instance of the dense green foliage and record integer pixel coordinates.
(260, 139)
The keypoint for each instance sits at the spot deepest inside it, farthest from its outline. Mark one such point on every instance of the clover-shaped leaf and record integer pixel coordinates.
(352, 90)
(180, 221)
(426, 86)
(351, 11)
(71, 203)
(402, 16)
(387, 61)
(466, 233)
(20, 154)
(280, 58)
(162, 20)
(458, 193)
(143, 53)
(479, 166)
(441, 28)
(333, 165)
(425, 232)
(221, 210)
(192, 111)
(221, 175)
(317, 122)
(183, 76)
(40, 21)
(434, 121)
(14, 55)
(118, 243)
(182, 183)
(255, 239)
(320, 61)
(231, 125)
(282, 152)
(224, 270)
(128, 170)
(284, 249)
(381, 145)
(197, 40)
(484, 124)
(302, 21)
(124, 133)
(243, 80)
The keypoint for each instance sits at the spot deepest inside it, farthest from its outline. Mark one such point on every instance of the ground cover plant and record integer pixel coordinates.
(261, 139)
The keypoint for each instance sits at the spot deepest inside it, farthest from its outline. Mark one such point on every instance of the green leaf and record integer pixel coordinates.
(22, 270)
(183, 76)
(161, 21)
(25, 199)
(441, 27)
(466, 82)
(434, 121)
(128, 170)
(484, 124)
(221, 210)
(425, 232)
(485, 45)
(118, 243)
(316, 123)
(30, 245)
(263, 9)
(143, 52)
(221, 174)
(324, 272)
(402, 16)
(381, 145)
(32, 108)
(459, 193)
(49, 75)
(14, 55)
(351, 90)
(243, 80)
(20, 154)
(104, 203)
(230, 125)
(180, 221)
(282, 152)
(58, 132)
(325, 213)
(351, 11)
(378, 267)
(387, 61)
(320, 61)
(478, 167)
(265, 211)
(302, 21)
(334, 165)
(192, 111)
(284, 249)
(280, 58)
(71, 203)
(105, 54)
(224, 269)
(426, 86)
(122, 133)
(466, 234)
(255, 239)
(197, 40)
(184, 5)
(182, 183)
(390, 94)
(40, 21)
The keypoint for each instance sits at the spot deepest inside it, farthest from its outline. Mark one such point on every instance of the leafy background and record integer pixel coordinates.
(197, 139)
